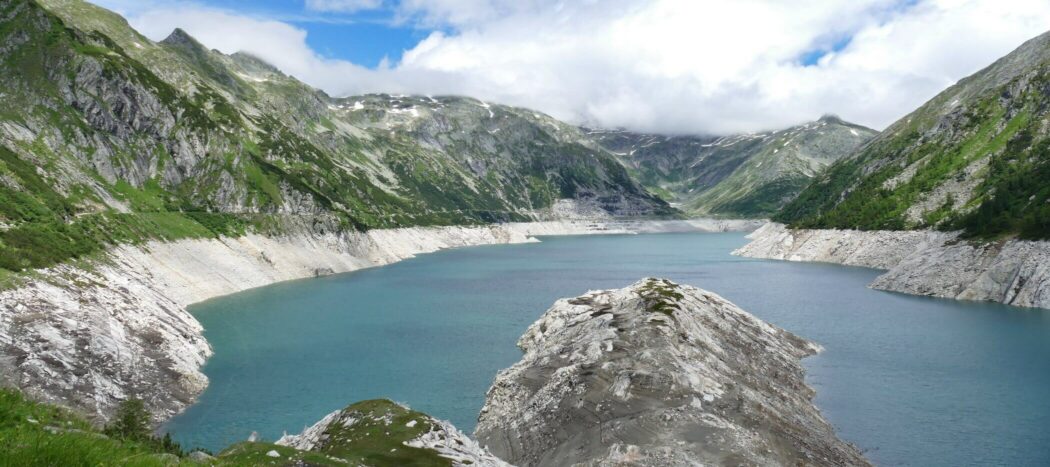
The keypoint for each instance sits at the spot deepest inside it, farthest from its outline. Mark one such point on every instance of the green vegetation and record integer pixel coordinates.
(661, 296)
(750, 176)
(762, 199)
(1017, 197)
(35, 434)
(876, 188)
(377, 435)
(254, 454)
(132, 424)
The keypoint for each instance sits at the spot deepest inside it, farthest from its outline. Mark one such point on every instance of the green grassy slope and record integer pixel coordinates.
(35, 434)
(976, 158)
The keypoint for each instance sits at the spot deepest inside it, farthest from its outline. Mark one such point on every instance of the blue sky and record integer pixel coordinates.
(362, 42)
(362, 37)
(665, 66)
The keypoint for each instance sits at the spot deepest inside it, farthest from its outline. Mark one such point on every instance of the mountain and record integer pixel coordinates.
(975, 158)
(107, 137)
(747, 175)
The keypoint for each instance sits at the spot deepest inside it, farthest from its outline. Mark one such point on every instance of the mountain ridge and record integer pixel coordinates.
(744, 175)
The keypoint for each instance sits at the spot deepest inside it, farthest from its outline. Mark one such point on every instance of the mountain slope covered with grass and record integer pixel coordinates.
(975, 158)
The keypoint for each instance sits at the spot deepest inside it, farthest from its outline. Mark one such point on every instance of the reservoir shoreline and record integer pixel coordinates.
(920, 262)
(93, 334)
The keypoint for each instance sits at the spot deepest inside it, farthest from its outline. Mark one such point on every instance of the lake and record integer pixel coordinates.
(910, 380)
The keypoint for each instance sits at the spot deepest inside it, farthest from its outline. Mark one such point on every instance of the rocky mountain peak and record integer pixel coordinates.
(180, 37)
(743, 175)
(251, 62)
(831, 118)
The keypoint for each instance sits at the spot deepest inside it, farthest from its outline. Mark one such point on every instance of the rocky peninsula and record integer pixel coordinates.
(657, 373)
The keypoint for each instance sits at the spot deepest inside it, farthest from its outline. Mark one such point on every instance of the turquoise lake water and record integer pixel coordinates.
(910, 380)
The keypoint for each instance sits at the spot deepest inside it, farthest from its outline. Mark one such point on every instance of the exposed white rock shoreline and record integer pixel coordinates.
(938, 264)
(92, 335)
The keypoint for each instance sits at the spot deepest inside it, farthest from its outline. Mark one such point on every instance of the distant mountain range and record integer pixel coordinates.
(746, 175)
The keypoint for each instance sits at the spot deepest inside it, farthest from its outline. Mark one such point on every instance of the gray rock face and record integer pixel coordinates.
(657, 374)
(921, 262)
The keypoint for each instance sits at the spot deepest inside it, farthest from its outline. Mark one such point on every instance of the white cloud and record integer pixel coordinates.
(679, 66)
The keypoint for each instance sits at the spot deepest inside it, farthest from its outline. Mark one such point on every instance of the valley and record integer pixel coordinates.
(200, 250)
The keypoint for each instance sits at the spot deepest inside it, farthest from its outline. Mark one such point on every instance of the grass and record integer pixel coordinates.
(1010, 201)
(252, 454)
(378, 435)
(661, 296)
(36, 434)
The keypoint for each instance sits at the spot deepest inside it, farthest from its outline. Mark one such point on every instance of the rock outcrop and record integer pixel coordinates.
(657, 374)
(921, 262)
(381, 432)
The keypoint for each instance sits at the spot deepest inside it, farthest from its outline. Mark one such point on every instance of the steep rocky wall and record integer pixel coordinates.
(937, 264)
(657, 374)
(92, 334)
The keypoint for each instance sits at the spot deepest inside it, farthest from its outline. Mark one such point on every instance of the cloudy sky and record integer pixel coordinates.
(669, 66)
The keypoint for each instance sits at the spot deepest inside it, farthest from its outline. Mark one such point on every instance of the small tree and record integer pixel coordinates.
(132, 421)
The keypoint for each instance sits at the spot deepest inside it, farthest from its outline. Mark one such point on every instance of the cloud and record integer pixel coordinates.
(671, 66)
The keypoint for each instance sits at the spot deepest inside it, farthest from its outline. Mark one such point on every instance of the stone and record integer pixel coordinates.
(200, 456)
